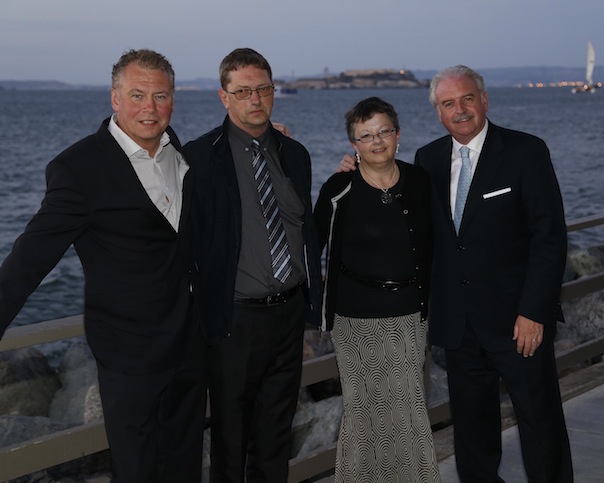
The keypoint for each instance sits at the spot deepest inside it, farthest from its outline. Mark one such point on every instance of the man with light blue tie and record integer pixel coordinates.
(259, 265)
(499, 256)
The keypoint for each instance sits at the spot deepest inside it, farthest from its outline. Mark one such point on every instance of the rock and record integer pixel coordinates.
(316, 343)
(316, 426)
(584, 319)
(14, 429)
(27, 383)
(94, 468)
(93, 409)
(438, 390)
(78, 374)
(37, 477)
(585, 261)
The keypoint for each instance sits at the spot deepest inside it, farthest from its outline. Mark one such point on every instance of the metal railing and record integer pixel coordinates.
(70, 444)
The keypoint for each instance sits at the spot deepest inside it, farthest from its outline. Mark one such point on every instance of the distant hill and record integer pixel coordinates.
(195, 84)
(523, 76)
(44, 86)
(199, 84)
(496, 77)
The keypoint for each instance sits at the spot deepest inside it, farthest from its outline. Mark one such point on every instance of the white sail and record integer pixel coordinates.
(591, 60)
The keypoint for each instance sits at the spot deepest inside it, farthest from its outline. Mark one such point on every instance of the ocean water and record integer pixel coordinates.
(36, 125)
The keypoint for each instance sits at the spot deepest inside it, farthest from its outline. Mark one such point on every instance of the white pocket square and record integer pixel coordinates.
(500, 192)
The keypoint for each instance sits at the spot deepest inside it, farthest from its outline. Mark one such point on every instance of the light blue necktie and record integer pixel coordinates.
(463, 186)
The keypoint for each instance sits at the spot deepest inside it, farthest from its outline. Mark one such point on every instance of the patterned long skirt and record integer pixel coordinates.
(385, 435)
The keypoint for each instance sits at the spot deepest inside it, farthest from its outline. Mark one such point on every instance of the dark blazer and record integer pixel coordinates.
(330, 212)
(509, 257)
(136, 266)
(216, 221)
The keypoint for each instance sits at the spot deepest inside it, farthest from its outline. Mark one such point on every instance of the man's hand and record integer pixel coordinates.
(282, 128)
(348, 163)
(528, 335)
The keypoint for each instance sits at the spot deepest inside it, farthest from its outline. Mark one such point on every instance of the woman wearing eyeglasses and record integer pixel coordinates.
(375, 223)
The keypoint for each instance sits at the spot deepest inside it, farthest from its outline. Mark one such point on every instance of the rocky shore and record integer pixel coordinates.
(37, 399)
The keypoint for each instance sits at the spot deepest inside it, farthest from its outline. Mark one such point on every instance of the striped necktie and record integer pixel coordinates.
(281, 258)
(463, 186)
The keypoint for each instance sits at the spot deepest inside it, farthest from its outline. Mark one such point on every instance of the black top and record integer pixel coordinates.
(375, 244)
(402, 247)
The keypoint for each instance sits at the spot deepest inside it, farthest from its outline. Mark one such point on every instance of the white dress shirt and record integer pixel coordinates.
(161, 175)
(475, 146)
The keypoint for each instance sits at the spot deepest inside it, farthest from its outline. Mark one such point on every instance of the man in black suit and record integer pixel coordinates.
(121, 197)
(496, 277)
(255, 305)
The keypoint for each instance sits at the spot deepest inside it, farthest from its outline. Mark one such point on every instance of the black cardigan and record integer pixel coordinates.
(415, 204)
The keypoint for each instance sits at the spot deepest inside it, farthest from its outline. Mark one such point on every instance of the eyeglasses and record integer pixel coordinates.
(243, 94)
(384, 133)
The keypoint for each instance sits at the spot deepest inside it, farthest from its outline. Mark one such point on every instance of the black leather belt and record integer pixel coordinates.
(274, 299)
(390, 285)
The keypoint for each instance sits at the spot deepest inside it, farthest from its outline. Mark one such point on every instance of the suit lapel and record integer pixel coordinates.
(187, 191)
(222, 157)
(121, 169)
(441, 178)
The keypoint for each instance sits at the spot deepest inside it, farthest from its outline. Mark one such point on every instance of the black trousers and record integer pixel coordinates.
(155, 422)
(254, 384)
(532, 384)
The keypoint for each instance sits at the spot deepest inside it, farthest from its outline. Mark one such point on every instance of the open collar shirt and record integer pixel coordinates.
(161, 175)
(475, 146)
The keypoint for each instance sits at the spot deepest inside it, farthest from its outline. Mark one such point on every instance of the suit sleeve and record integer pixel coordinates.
(544, 212)
(62, 218)
(418, 159)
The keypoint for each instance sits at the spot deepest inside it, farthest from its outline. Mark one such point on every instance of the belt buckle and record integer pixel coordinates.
(391, 285)
(275, 299)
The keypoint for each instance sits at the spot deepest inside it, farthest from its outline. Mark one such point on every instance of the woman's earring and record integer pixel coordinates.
(358, 157)
(397, 148)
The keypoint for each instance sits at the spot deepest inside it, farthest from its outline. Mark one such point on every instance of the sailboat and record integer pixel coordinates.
(588, 85)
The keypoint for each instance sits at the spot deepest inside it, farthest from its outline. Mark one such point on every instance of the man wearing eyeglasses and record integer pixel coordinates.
(259, 264)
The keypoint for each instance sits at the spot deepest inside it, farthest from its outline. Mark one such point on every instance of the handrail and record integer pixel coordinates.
(42, 332)
(62, 446)
(52, 449)
(585, 222)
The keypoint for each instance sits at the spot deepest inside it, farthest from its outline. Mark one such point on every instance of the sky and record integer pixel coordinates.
(78, 41)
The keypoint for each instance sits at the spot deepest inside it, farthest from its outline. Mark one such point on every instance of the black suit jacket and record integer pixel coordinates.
(509, 257)
(136, 266)
(216, 221)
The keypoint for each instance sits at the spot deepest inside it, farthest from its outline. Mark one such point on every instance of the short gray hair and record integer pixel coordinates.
(455, 72)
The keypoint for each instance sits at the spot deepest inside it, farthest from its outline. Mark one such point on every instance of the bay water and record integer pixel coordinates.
(35, 126)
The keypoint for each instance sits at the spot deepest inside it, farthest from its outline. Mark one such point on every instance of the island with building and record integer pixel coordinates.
(360, 79)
